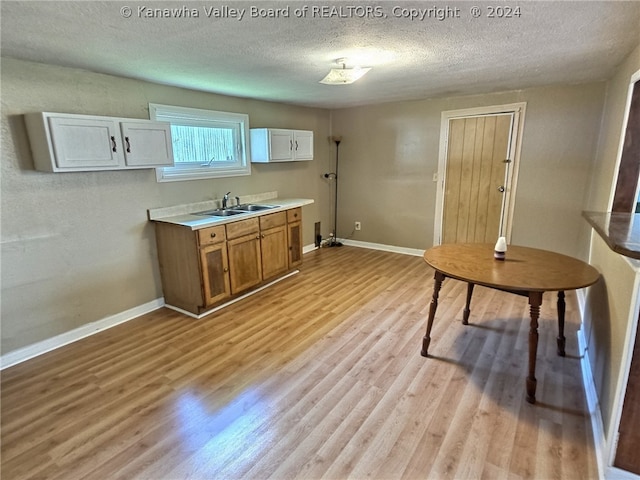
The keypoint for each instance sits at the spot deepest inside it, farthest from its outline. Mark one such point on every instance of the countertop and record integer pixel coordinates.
(183, 214)
(621, 231)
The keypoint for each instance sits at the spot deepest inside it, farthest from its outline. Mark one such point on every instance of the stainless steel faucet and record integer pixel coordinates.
(225, 199)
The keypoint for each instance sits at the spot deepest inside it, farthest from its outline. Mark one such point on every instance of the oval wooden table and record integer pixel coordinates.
(526, 271)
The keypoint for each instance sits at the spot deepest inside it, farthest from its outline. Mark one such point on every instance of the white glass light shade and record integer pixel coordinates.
(344, 76)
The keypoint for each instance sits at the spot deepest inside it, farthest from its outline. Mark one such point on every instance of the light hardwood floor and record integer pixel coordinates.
(319, 376)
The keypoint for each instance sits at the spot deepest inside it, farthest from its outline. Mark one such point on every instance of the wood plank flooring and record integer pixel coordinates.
(318, 376)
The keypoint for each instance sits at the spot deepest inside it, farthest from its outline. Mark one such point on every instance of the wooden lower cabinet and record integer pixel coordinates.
(215, 273)
(205, 267)
(273, 244)
(245, 264)
(294, 237)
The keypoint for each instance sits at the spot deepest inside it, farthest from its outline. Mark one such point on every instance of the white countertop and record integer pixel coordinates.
(183, 214)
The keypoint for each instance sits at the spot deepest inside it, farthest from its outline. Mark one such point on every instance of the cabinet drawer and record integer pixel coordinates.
(294, 215)
(273, 220)
(211, 235)
(245, 227)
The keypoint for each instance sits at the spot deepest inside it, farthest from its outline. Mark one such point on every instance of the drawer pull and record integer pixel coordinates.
(213, 235)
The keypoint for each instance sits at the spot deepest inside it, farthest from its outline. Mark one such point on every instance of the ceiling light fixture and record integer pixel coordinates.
(344, 75)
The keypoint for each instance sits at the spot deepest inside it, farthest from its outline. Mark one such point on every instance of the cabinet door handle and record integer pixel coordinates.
(113, 144)
(296, 145)
(257, 237)
(262, 236)
(225, 269)
(126, 139)
(290, 144)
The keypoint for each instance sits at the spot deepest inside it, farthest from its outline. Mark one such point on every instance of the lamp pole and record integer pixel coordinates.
(334, 240)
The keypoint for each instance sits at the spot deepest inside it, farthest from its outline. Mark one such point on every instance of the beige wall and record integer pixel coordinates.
(77, 247)
(390, 152)
(609, 307)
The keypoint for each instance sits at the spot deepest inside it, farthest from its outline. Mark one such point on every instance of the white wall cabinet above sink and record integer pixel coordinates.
(73, 143)
(280, 145)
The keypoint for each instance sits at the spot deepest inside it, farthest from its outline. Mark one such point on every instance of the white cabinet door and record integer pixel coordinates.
(303, 144)
(280, 145)
(85, 143)
(147, 144)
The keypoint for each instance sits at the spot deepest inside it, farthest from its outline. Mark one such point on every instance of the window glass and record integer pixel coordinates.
(206, 143)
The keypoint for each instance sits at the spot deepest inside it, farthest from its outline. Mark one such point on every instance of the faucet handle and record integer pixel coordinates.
(237, 201)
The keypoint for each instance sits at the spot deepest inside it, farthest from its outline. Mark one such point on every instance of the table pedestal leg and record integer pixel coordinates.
(439, 278)
(467, 308)
(535, 300)
(561, 338)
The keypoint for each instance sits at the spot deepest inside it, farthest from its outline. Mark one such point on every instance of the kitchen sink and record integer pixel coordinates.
(220, 212)
(250, 207)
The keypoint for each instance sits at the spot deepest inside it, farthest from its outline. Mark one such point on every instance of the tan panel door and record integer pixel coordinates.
(476, 176)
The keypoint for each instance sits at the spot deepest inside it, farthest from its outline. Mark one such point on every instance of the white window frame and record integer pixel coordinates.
(204, 118)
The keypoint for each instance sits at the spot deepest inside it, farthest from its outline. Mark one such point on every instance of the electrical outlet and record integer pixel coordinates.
(358, 226)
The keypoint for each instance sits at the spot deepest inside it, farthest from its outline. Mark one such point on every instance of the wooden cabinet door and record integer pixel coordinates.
(147, 144)
(215, 273)
(85, 143)
(274, 251)
(294, 237)
(245, 264)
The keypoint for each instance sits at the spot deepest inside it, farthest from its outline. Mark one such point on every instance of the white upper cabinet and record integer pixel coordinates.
(280, 145)
(147, 144)
(74, 143)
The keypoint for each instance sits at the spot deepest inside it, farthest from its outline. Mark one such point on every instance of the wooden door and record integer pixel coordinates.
(476, 178)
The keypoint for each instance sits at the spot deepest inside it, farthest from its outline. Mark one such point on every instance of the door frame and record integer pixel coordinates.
(515, 147)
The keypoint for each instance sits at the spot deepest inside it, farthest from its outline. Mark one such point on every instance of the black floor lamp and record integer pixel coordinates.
(333, 241)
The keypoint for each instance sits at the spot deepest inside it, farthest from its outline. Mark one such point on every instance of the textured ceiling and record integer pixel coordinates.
(205, 45)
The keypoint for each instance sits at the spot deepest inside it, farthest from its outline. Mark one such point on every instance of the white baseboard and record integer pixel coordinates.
(386, 248)
(22, 354)
(593, 404)
(614, 473)
(309, 248)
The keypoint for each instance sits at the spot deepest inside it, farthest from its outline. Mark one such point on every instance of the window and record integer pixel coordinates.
(206, 143)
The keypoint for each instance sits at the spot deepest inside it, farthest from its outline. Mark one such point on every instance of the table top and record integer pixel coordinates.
(524, 269)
